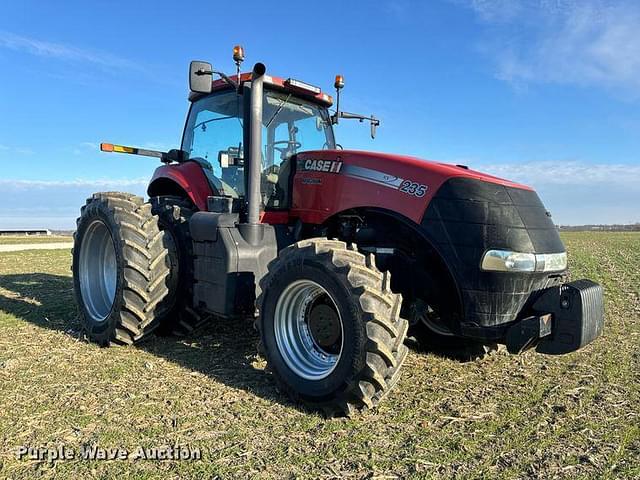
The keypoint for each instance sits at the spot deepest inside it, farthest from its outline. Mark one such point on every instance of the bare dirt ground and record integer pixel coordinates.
(528, 416)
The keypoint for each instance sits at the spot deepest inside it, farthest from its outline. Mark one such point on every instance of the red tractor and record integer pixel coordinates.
(336, 253)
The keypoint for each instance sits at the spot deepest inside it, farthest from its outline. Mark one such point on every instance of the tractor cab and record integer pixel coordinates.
(294, 119)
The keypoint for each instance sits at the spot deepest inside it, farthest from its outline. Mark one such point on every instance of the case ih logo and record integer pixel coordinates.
(363, 173)
(330, 166)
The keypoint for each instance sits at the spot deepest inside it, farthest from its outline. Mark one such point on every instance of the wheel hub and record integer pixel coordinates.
(324, 326)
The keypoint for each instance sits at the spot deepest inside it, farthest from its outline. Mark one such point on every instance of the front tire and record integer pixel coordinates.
(174, 214)
(330, 327)
(120, 266)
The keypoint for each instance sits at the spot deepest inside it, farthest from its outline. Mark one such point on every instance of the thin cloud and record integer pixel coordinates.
(85, 147)
(16, 150)
(60, 51)
(565, 173)
(55, 204)
(577, 193)
(24, 151)
(587, 43)
(494, 10)
(72, 184)
(400, 9)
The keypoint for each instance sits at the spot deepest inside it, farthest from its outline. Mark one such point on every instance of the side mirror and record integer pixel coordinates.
(200, 77)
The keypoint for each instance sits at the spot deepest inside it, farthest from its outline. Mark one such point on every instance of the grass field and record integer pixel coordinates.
(21, 239)
(528, 416)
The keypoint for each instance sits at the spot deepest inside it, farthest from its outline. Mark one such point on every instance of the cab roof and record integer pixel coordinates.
(277, 83)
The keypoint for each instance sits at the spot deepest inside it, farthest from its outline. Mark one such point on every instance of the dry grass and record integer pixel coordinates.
(530, 416)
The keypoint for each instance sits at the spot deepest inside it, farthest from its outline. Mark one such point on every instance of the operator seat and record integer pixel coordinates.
(284, 180)
(217, 185)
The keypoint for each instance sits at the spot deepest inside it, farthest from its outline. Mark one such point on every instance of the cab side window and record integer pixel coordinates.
(280, 150)
(214, 133)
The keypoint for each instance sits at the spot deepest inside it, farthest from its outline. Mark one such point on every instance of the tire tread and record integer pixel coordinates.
(145, 263)
(385, 329)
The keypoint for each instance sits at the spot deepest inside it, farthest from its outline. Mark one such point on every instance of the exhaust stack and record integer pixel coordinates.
(255, 145)
(252, 230)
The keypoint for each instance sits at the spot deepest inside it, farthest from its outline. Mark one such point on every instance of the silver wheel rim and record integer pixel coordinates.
(295, 340)
(98, 271)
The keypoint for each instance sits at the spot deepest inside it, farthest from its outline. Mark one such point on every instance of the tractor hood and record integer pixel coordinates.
(400, 167)
(354, 179)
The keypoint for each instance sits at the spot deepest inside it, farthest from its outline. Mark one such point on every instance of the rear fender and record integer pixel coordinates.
(186, 179)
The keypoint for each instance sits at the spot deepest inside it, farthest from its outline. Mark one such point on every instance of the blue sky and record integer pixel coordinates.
(545, 92)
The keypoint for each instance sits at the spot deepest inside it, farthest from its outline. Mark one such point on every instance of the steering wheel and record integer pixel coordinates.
(290, 145)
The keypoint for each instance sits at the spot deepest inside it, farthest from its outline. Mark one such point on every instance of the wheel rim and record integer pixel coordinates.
(98, 271)
(308, 330)
(434, 324)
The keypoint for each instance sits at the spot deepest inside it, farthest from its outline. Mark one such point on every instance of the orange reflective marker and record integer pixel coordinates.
(110, 147)
(123, 149)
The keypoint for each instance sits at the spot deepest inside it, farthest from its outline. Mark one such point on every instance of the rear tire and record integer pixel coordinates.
(174, 214)
(313, 286)
(120, 269)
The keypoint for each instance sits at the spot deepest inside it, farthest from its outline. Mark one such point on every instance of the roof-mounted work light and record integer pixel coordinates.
(292, 82)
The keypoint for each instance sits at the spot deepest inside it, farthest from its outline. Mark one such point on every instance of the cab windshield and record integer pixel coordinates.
(214, 133)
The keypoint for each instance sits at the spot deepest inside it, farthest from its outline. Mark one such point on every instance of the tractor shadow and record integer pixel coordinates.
(464, 353)
(225, 350)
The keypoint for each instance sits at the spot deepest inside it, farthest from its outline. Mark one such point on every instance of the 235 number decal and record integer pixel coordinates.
(413, 188)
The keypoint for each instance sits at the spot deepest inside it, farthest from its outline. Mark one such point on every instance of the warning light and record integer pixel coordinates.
(339, 83)
(238, 54)
(106, 147)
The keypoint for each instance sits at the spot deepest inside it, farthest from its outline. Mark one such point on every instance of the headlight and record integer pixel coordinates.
(551, 262)
(506, 261)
